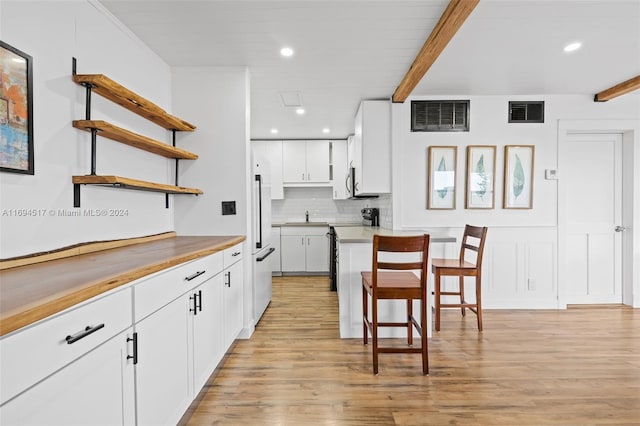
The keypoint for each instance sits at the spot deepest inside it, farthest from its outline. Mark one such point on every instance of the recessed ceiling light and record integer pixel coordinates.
(286, 51)
(274, 131)
(300, 111)
(326, 130)
(572, 47)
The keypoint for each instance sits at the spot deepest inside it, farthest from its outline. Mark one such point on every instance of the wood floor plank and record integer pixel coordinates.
(528, 367)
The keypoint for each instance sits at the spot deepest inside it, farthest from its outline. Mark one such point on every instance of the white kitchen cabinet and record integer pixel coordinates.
(272, 152)
(317, 253)
(163, 386)
(305, 161)
(232, 295)
(372, 148)
(339, 168)
(293, 253)
(71, 367)
(206, 326)
(277, 255)
(95, 389)
(171, 310)
(305, 249)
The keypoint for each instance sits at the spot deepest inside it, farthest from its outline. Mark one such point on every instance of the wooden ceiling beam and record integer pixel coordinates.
(618, 90)
(450, 22)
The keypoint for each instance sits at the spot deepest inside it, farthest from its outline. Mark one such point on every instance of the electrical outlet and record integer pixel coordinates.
(531, 284)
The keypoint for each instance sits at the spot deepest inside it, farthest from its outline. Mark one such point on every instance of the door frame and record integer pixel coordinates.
(630, 131)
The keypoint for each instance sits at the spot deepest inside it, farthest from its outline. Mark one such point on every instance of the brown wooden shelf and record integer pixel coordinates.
(124, 97)
(135, 140)
(127, 183)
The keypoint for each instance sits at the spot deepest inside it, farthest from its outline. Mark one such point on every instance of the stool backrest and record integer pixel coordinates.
(473, 240)
(401, 244)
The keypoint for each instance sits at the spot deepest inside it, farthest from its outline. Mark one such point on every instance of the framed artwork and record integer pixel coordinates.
(442, 177)
(518, 176)
(481, 171)
(16, 111)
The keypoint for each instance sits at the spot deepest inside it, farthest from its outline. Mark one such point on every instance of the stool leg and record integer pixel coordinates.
(479, 300)
(423, 335)
(437, 298)
(461, 286)
(365, 315)
(374, 332)
(409, 324)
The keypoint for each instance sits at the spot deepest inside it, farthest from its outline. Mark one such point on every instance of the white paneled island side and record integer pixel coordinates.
(355, 245)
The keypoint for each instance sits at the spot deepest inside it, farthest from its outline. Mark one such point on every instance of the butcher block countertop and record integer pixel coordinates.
(33, 292)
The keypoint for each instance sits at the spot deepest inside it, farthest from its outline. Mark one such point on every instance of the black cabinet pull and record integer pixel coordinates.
(234, 254)
(228, 279)
(134, 357)
(194, 276)
(195, 304)
(84, 333)
(200, 300)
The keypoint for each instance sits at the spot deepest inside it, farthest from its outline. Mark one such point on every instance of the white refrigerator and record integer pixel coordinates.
(261, 248)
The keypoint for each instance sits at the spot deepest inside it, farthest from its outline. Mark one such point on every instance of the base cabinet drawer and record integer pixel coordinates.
(34, 353)
(96, 389)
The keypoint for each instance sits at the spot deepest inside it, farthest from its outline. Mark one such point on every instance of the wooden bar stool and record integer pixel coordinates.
(394, 279)
(461, 268)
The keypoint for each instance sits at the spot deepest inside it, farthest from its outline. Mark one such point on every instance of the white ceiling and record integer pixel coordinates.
(346, 51)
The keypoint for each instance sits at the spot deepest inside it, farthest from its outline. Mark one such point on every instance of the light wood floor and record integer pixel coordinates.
(579, 366)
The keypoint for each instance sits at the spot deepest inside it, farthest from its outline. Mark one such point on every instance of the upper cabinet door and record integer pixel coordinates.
(294, 158)
(318, 161)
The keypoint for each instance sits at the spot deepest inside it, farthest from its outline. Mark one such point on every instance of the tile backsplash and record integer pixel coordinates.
(318, 201)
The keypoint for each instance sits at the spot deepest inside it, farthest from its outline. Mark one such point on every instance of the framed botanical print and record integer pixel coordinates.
(481, 171)
(442, 177)
(518, 176)
(16, 110)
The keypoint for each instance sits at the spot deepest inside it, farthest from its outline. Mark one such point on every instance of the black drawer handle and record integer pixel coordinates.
(194, 276)
(235, 253)
(84, 333)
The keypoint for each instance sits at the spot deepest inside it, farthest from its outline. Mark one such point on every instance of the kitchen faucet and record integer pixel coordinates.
(306, 215)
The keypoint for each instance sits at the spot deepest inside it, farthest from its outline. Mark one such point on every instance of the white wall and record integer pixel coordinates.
(522, 244)
(216, 100)
(53, 32)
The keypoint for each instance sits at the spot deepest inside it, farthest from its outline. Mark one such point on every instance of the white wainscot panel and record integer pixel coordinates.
(520, 269)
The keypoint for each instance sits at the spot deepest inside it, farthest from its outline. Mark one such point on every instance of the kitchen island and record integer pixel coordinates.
(355, 245)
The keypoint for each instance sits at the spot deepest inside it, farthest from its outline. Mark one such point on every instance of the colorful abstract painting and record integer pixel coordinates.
(16, 111)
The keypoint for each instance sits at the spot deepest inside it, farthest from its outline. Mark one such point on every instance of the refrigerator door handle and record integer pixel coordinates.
(259, 242)
(261, 258)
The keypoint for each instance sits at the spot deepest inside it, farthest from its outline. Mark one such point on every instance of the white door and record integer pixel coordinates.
(592, 180)
(293, 253)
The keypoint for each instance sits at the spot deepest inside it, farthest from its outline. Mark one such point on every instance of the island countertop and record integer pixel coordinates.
(364, 234)
(33, 292)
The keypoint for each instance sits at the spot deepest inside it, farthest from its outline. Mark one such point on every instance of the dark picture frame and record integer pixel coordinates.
(16, 111)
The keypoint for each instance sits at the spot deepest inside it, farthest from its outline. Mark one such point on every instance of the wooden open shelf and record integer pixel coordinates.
(135, 140)
(127, 183)
(124, 97)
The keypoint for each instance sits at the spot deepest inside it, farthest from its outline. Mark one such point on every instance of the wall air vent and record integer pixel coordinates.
(526, 112)
(440, 116)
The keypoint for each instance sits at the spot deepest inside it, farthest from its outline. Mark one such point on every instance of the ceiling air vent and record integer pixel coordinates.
(526, 112)
(440, 116)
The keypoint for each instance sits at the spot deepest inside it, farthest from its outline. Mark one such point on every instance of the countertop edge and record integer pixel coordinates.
(22, 317)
